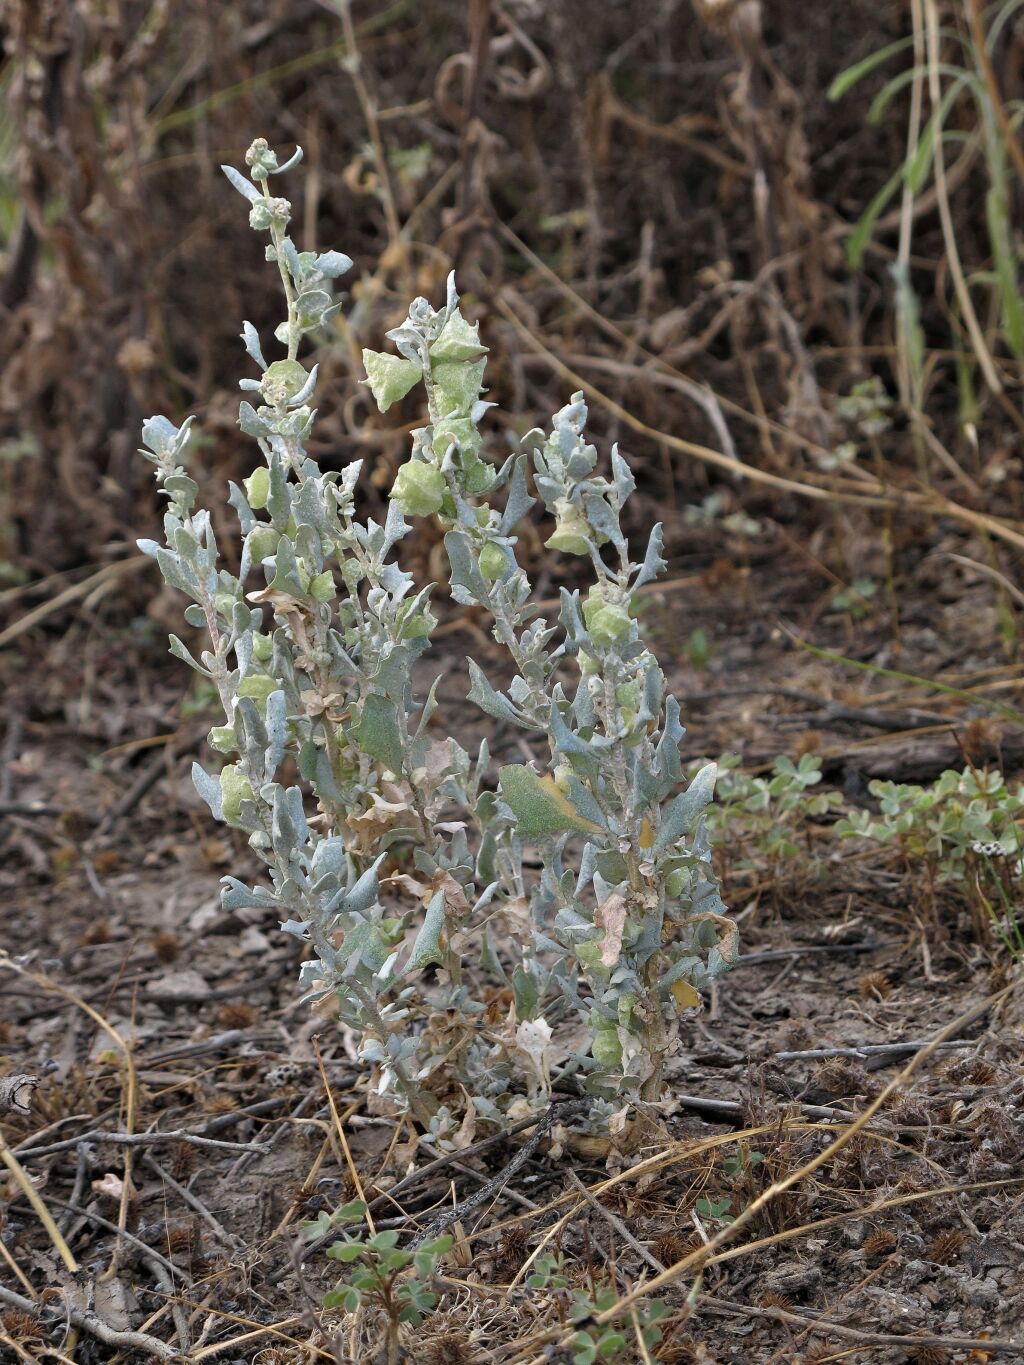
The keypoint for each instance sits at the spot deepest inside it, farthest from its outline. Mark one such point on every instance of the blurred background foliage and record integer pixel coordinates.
(657, 200)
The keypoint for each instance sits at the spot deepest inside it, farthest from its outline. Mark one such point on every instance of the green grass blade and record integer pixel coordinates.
(930, 683)
(857, 243)
(892, 88)
(1005, 258)
(847, 79)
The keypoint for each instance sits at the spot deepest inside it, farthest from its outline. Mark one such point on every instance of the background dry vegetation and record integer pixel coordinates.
(659, 204)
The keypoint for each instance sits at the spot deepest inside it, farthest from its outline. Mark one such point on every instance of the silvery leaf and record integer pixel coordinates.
(237, 896)
(365, 891)
(467, 582)
(427, 947)
(277, 732)
(158, 433)
(492, 702)
(244, 187)
(519, 500)
(294, 264)
(293, 160)
(682, 814)
(252, 344)
(209, 789)
(333, 263)
(622, 476)
(250, 422)
(238, 500)
(279, 502)
(180, 652)
(653, 563)
(304, 393)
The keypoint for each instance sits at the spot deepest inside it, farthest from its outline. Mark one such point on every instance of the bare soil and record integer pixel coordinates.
(915, 1225)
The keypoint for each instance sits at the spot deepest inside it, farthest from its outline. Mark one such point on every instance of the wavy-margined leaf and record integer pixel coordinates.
(180, 651)
(389, 376)
(378, 734)
(494, 703)
(686, 809)
(540, 807)
(428, 947)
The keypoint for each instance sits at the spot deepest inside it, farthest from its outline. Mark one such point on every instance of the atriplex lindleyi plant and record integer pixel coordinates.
(388, 851)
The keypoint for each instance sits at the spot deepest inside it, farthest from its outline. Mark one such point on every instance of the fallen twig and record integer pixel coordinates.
(827, 709)
(88, 1322)
(143, 1140)
(869, 1050)
(228, 1239)
(866, 1338)
(140, 1246)
(558, 1110)
(72, 594)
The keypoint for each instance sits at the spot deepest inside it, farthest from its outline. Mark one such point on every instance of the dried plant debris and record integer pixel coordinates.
(219, 1141)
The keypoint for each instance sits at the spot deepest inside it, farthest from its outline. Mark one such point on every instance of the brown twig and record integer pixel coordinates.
(975, 10)
(729, 1231)
(866, 1338)
(228, 1239)
(140, 1140)
(69, 595)
(869, 1050)
(558, 1110)
(89, 1322)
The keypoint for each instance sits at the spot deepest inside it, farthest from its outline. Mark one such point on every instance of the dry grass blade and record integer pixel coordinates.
(963, 294)
(339, 1125)
(131, 1087)
(926, 503)
(42, 1212)
(102, 577)
(86, 1321)
(247, 1338)
(697, 1260)
(700, 452)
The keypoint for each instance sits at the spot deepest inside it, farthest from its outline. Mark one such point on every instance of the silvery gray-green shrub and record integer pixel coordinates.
(387, 850)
